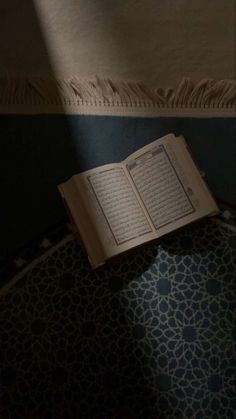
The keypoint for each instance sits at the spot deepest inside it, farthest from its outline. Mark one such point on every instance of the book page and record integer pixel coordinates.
(113, 209)
(119, 205)
(169, 184)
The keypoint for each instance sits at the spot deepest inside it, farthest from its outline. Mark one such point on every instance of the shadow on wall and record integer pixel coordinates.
(37, 152)
(22, 41)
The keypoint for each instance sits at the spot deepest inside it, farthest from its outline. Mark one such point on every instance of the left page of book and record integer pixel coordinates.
(112, 211)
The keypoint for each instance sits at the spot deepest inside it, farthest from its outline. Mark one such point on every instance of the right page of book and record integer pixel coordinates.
(169, 184)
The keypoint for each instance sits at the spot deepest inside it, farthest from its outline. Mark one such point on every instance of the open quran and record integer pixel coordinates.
(117, 207)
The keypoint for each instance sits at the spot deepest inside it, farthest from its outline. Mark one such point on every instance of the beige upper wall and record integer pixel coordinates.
(149, 40)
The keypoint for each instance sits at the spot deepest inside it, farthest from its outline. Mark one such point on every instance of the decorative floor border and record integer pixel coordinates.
(32, 253)
(97, 96)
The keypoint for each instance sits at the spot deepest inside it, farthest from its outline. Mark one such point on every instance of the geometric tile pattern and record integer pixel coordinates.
(150, 336)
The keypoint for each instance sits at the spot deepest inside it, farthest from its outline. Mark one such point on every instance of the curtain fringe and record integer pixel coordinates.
(99, 95)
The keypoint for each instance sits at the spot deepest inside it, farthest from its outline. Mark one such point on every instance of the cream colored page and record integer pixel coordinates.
(169, 184)
(114, 210)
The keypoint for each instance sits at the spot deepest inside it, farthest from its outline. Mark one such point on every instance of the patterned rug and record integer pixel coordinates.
(150, 336)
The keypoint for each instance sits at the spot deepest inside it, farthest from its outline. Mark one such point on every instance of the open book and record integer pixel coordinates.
(119, 206)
